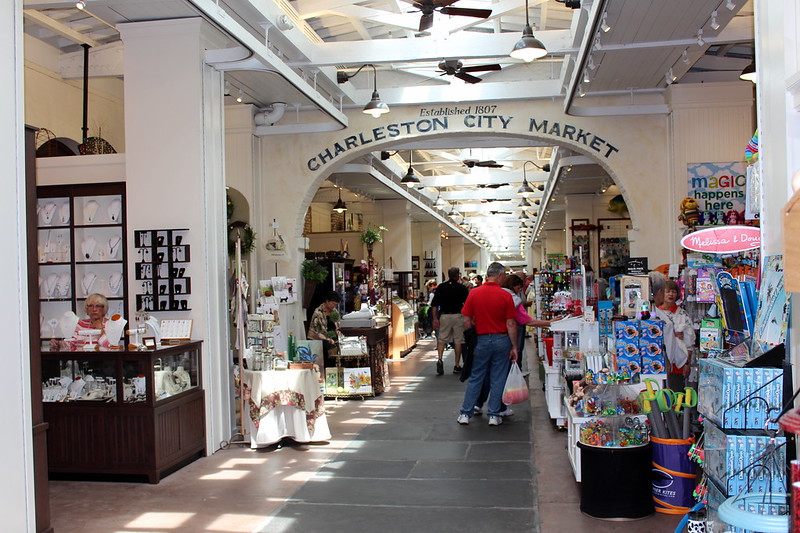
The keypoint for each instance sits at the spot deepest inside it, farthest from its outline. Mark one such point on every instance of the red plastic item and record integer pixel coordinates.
(548, 348)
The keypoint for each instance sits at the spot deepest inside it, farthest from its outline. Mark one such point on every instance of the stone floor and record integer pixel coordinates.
(397, 463)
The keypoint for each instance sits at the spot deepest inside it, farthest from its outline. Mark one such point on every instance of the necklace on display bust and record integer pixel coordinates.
(87, 247)
(90, 210)
(88, 281)
(50, 283)
(63, 214)
(114, 210)
(47, 212)
(63, 284)
(113, 246)
(115, 282)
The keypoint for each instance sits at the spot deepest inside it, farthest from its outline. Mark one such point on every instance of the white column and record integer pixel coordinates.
(431, 247)
(16, 448)
(397, 241)
(455, 247)
(175, 179)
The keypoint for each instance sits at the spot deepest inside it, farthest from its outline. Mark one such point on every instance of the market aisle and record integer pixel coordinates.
(397, 463)
(413, 468)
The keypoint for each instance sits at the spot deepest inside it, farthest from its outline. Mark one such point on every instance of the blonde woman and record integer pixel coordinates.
(96, 307)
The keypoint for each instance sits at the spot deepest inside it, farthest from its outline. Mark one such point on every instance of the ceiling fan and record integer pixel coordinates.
(454, 67)
(489, 163)
(427, 7)
(492, 185)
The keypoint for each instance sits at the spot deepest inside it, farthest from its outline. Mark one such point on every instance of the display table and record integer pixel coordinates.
(284, 403)
(378, 344)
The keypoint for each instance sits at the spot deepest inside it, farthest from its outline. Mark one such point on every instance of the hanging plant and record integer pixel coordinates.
(245, 233)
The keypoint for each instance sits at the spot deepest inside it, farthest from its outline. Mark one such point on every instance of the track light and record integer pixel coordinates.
(340, 206)
(730, 5)
(714, 24)
(375, 106)
(528, 47)
(749, 72)
(581, 92)
(685, 56)
(80, 4)
(604, 24)
(700, 41)
(240, 96)
(591, 64)
(586, 78)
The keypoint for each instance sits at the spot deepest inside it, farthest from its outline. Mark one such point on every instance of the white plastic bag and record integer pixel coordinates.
(516, 390)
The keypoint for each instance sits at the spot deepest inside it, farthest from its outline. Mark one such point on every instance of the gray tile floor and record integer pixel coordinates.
(396, 463)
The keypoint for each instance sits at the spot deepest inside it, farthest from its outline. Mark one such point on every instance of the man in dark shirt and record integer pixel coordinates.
(446, 307)
(491, 310)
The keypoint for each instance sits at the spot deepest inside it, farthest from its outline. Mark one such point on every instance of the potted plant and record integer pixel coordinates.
(313, 273)
(372, 234)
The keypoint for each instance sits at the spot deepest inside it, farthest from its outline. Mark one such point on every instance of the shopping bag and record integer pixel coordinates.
(516, 390)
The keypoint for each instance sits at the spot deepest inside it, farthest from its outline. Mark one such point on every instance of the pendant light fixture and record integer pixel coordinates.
(340, 206)
(528, 47)
(375, 106)
(749, 72)
(526, 189)
(524, 203)
(410, 179)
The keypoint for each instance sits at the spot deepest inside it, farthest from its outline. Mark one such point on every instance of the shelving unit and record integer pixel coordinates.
(429, 266)
(81, 250)
(163, 257)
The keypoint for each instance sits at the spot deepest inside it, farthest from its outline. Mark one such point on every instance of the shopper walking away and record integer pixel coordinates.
(491, 310)
(446, 307)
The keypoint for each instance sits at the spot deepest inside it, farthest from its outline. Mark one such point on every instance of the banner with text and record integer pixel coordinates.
(720, 190)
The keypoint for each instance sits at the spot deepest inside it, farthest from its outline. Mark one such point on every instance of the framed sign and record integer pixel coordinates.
(723, 239)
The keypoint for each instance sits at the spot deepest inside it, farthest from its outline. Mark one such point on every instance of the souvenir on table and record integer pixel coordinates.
(634, 292)
(705, 286)
(310, 351)
(284, 291)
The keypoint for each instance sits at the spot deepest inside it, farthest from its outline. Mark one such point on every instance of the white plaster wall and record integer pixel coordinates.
(16, 491)
(397, 244)
(57, 104)
(80, 169)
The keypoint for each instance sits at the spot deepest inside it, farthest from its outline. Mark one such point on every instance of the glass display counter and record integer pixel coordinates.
(124, 413)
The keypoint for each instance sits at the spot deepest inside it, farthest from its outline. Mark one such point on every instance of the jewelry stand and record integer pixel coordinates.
(90, 346)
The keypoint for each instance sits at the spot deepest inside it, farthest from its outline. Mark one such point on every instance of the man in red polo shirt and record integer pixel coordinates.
(490, 309)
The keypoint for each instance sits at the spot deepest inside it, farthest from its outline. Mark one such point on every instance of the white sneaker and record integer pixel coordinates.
(477, 411)
(495, 420)
(463, 419)
(507, 412)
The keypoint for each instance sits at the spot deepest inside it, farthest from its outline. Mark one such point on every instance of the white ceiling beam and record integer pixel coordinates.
(475, 178)
(316, 8)
(425, 94)
(57, 27)
(465, 45)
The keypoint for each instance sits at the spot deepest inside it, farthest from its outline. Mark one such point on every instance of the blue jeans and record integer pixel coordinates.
(491, 359)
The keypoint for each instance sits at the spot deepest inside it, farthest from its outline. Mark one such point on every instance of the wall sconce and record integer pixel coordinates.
(528, 47)
(375, 106)
(340, 206)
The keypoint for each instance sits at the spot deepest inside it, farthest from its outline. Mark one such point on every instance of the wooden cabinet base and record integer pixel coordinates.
(99, 441)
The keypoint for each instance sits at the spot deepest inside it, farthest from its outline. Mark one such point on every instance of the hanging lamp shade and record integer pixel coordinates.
(528, 47)
(340, 206)
(749, 72)
(524, 203)
(410, 179)
(375, 106)
(525, 189)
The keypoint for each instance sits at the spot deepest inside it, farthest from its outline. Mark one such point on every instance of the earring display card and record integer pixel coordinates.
(163, 262)
(176, 330)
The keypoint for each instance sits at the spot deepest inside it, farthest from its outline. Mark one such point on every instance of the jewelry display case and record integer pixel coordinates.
(163, 257)
(124, 413)
(80, 250)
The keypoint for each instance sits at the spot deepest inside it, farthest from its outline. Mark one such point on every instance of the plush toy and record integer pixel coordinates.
(733, 217)
(690, 212)
(710, 218)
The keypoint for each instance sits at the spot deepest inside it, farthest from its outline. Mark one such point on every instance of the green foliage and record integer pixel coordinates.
(372, 234)
(313, 271)
(246, 233)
